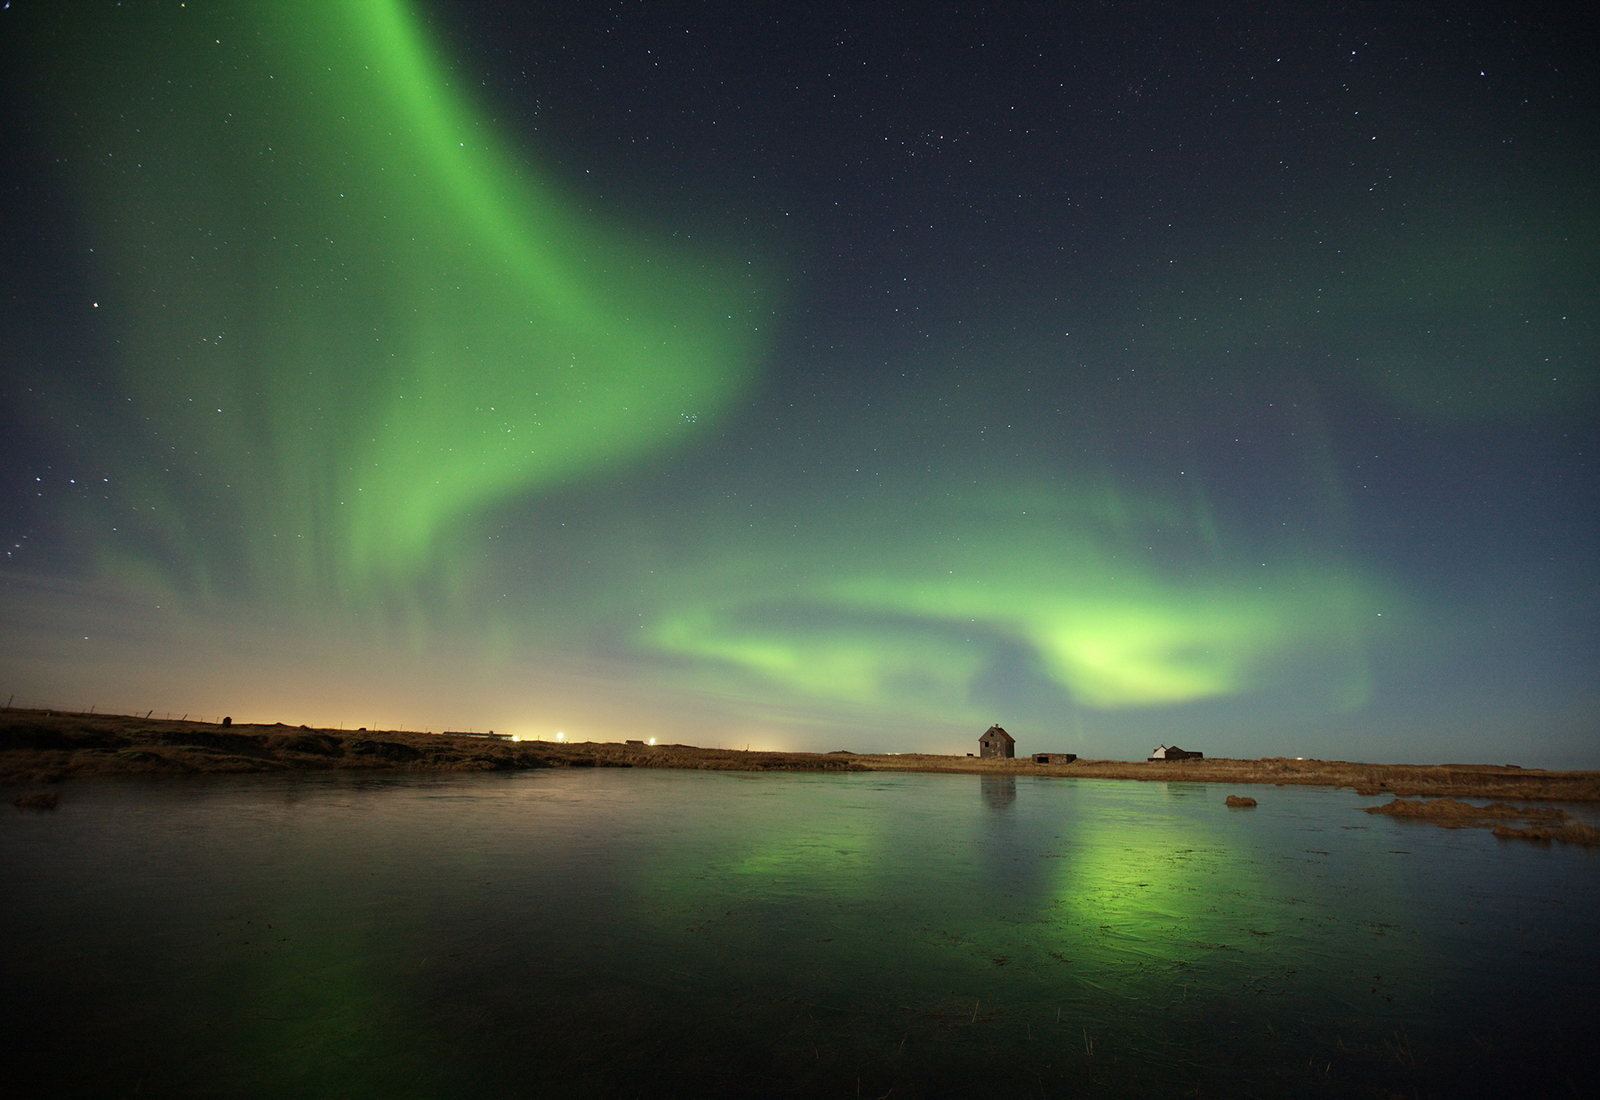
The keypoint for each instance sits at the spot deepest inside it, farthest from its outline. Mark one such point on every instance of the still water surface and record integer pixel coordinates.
(665, 933)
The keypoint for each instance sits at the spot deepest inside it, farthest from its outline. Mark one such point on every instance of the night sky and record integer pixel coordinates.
(809, 376)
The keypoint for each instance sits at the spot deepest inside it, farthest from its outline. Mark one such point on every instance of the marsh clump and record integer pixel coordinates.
(310, 744)
(1454, 814)
(1543, 823)
(388, 750)
(36, 800)
(1567, 832)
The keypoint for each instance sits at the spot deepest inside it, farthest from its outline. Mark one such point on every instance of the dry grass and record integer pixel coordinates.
(1547, 823)
(1432, 780)
(36, 800)
(1453, 814)
(1568, 832)
(38, 746)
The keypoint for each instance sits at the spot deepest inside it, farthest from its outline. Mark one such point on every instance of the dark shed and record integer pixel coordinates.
(1173, 752)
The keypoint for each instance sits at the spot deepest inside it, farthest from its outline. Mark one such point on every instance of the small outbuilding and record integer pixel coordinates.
(1054, 757)
(1173, 752)
(997, 743)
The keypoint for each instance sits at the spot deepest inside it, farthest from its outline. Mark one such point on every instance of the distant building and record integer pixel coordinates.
(997, 743)
(1173, 752)
(1054, 757)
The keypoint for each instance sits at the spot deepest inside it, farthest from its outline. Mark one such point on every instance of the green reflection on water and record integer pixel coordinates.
(1071, 914)
(698, 934)
(325, 1018)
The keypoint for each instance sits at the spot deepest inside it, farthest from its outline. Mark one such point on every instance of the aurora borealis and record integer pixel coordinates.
(808, 377)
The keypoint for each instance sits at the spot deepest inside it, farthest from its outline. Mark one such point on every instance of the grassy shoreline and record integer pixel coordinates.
(43, 746)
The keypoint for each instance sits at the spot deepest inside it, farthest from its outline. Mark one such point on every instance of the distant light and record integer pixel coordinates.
(652, 740)
(561, 737)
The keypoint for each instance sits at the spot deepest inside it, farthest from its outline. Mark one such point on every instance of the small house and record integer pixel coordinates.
(1173, 752)
(997, 744)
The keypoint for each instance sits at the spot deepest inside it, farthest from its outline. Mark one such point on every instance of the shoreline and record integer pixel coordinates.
(50, 747)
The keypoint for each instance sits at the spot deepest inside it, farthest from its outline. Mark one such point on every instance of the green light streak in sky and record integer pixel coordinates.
(851, 662)
(359, 311)
(1134, 640)
(910, 626)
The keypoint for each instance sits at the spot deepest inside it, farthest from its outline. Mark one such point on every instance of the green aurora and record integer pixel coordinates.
(363, 371)
(360, 311)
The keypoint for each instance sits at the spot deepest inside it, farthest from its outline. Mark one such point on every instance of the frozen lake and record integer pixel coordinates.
(605, 932)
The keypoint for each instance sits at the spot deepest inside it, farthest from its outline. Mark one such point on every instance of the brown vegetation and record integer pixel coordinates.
(38, 746)
(1434, 780)
(1239, 802)
(1568, 832)
(1548, 823)
(1452, 814)
(36, 800)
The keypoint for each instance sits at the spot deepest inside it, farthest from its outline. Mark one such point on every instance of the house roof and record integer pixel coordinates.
(1001, 732)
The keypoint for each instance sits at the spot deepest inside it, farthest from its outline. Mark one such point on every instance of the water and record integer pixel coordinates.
(655, 933)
